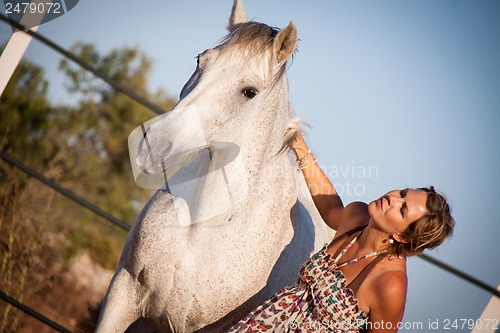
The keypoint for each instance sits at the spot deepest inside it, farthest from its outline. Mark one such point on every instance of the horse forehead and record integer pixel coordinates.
(241, 59)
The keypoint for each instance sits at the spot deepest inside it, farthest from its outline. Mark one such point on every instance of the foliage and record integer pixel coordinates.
(105, 118)
(83, 148)
(25, 121)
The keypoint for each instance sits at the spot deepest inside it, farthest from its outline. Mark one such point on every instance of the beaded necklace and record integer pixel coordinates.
(344, 250)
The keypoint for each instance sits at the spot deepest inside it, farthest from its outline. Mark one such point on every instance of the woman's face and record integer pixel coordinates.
(396, 210)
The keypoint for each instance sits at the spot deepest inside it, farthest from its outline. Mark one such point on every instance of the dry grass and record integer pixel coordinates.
(40, 263)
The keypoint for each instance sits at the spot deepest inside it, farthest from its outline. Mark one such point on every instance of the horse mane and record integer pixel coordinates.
(254, 36)
(253, 39)
(293, 129)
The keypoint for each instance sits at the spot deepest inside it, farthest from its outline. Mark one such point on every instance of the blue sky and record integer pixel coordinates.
(408, 89)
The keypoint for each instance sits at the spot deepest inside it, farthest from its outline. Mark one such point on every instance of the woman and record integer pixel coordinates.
(358, 282)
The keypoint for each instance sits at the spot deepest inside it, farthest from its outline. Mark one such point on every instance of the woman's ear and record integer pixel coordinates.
(400, 238)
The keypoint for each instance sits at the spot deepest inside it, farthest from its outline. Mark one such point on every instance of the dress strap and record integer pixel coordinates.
(347, 234)
(343, 249)
(358, 280)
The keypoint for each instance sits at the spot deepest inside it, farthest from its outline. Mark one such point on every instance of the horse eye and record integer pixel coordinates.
(249, 92)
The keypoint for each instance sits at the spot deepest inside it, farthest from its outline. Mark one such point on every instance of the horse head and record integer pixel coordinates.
(240, 86)
(232, 117)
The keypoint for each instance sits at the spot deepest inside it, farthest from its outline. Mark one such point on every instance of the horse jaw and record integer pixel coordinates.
(238, 15)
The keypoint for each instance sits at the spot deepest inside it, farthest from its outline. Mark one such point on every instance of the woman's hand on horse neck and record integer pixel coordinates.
(323, 192)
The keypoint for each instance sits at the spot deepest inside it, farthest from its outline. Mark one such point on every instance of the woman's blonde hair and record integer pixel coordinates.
(428, 231)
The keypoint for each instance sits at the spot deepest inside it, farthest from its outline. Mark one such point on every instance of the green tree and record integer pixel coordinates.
(25, 116)
(84, 148)
(105, 118)
(24, 112)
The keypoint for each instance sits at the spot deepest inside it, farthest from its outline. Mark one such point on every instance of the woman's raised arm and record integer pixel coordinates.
(323, 192)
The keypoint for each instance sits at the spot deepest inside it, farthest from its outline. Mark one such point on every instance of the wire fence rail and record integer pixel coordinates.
(118, 86)
(117, 222)
(79, 200)
(33, 313)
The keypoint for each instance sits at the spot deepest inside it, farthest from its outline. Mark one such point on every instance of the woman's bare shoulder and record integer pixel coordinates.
(385, 291)
(389, 276)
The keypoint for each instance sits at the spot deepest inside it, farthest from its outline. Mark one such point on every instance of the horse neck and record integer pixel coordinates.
(266, 165)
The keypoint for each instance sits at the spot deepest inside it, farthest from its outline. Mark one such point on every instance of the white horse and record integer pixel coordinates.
(201, 264)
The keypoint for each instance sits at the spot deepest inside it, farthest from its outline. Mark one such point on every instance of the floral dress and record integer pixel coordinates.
(320, 301)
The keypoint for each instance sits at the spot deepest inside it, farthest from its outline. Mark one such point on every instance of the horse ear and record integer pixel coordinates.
(238, 15)
(285, 42)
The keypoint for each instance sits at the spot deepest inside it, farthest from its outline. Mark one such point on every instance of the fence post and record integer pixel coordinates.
(17, 45)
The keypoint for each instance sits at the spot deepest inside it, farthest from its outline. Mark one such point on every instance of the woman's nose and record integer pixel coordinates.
(393, 200)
